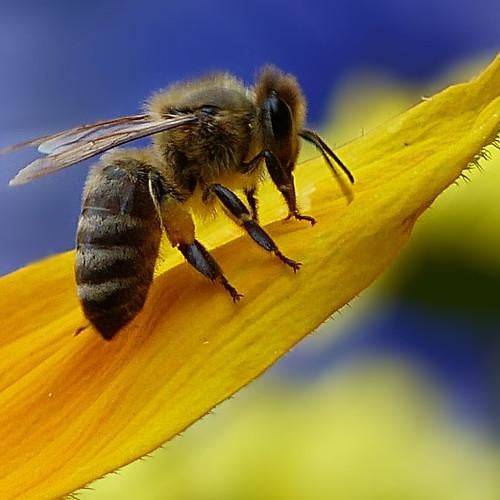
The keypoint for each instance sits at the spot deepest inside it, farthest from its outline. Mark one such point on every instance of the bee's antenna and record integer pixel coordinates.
(326, 152)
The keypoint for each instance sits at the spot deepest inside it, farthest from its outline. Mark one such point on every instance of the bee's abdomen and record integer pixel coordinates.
(117, 245)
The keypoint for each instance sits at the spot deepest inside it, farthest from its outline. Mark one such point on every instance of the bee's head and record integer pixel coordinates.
(282, 113)
(282, 109)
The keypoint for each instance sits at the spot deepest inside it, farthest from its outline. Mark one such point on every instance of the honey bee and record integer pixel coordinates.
(211, 136)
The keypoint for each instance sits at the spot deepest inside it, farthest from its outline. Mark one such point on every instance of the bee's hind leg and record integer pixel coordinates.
(199, 257)
(179, 227)
(237, 210)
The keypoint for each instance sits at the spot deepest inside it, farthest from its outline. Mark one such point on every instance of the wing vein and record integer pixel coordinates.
(81, 143)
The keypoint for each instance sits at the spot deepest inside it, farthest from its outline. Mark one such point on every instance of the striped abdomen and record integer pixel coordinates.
(117, 245)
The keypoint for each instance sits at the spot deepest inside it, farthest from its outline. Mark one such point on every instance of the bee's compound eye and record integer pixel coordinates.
(209, 110)
(280, 115)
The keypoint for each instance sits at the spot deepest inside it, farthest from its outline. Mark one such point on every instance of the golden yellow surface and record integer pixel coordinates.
(74, 408)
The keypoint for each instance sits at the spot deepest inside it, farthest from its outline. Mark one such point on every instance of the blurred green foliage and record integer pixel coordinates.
(375, 431)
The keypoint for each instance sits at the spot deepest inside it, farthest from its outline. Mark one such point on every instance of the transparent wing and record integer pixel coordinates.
(72, 146)
(65, 140)
(47, 143)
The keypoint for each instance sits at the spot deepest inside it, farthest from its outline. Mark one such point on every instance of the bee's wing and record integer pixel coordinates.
(72, 146)
(65, 140)
(46, 144)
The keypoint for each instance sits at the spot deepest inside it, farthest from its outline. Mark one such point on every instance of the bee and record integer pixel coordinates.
(211, 136)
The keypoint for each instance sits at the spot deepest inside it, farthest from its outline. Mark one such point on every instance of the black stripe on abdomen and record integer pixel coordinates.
(106, 229)
(96, 264)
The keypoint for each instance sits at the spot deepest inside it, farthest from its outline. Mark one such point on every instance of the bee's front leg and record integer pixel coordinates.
(283, 180)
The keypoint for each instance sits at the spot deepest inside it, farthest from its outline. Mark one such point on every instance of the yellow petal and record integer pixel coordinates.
(74, 408)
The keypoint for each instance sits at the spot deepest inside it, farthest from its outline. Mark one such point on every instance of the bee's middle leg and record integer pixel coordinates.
(199, 257)
(237, 211)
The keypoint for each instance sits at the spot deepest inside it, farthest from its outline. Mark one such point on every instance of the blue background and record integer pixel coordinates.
(64, 63)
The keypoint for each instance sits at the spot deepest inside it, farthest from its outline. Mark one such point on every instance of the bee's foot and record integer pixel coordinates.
(298, 216)
(235, 296)
(289, 262)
